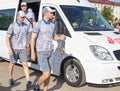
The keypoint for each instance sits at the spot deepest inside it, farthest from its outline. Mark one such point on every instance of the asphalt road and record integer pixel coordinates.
(56, 83)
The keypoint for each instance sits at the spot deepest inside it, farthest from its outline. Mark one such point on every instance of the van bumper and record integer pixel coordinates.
(102, 73)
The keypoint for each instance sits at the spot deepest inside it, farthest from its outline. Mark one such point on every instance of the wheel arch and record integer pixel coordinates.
(67, 58)
(63, 61)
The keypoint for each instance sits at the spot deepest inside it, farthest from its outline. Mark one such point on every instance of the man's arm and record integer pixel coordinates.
(33, 40)
(56, 37)
(62, 37)
(9, 44)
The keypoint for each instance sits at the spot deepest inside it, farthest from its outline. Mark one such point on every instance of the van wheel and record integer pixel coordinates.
(74, 73)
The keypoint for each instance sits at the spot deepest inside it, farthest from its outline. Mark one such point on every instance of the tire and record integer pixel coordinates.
(74, 74)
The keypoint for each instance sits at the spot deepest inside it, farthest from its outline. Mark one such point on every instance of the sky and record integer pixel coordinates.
(115, 0)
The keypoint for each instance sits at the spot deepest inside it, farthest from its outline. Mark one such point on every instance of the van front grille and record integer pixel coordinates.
(117, 54)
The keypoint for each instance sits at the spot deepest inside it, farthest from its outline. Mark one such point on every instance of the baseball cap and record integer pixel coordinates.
(21, 13)
(47, 9)
(24, 3)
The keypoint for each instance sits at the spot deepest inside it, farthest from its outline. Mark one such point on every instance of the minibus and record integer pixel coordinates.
(90, 52)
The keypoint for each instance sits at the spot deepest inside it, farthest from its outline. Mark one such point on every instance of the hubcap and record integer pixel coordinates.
(72, 73)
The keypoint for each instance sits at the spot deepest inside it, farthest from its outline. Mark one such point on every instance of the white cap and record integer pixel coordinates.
(47, 9)
(21, 13)
(24, 3)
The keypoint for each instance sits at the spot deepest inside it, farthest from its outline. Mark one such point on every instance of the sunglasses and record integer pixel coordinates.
(51, 12)
(23, 17)
(23, 6)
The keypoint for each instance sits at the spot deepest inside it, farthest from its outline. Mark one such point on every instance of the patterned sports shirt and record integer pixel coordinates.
(45, 31)
(18, 33)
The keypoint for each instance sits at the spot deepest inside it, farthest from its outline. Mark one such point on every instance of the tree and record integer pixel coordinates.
(107, 13)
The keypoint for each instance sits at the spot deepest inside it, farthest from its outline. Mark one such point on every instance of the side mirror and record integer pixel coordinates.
(61, 28)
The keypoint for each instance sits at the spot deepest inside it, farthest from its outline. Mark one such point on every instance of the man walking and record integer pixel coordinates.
(16, 42)
(42, 36)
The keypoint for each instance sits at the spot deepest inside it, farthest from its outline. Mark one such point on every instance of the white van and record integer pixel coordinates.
(91, 50)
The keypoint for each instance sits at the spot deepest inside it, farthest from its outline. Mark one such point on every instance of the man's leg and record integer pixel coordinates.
(10, 68)
(26, 70)
(46, 83)
(28, 51)
(23, 60)
(13, 60)
(45, 67)
(43, 78)
(28, 46)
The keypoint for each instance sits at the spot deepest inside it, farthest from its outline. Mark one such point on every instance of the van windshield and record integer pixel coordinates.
(85, 19)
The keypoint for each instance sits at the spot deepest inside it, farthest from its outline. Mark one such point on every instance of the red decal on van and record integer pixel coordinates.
(110, 40)
(117, 40)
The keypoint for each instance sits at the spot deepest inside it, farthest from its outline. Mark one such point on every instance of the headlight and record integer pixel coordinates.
(101, 53)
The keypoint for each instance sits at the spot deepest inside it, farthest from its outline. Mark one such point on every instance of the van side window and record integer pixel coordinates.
(6, 18)
(60, 25)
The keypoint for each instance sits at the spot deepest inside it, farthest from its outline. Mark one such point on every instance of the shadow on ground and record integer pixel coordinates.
(9, 87)
(59, 83)
(58, 80)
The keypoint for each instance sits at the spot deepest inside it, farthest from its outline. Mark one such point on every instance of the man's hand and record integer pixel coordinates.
(62, 37)
(10, 51)
(33, 57)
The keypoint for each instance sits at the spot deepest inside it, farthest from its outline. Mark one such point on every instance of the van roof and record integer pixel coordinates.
(85, 3)
(13, 3)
